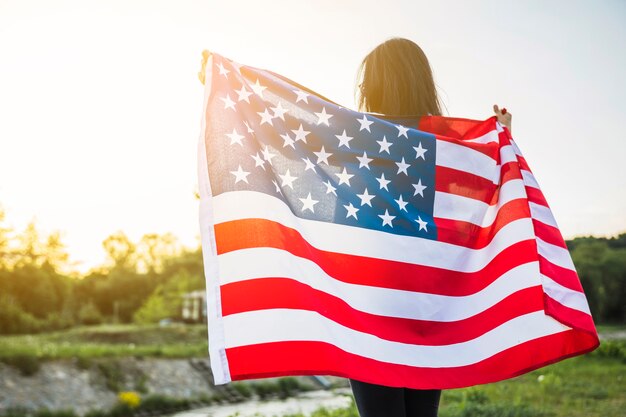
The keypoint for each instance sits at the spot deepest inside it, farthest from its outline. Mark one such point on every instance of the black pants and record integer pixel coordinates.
(382, 401)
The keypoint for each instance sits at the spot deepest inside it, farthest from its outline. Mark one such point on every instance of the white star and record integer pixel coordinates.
(250, 130)
(288, 141)
(278, 190)
(401, 203)
(301, 134)
(382, 181)
(308, 203)
(279, 111)
(422, 223)
(267, 155)
(364, 161)
(419, 188)
(322, 155)
(403, 166)
(301, 96)
(365, 124)
(309, 164)
(402, 131)
(351, 211)
(228, 103)
(266, 117)
(258, 161)
(323, 117)
(287, 179)
(329, 188)
(387, 218)
(384, 145)
(366, 198)
(258, 88)
(235, 137)
(344, 177)
(223, 70)
(240, 175)
(419, 151)
(244, 94)
(344, 139)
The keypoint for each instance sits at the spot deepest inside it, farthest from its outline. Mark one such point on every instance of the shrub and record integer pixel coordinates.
(27, 364)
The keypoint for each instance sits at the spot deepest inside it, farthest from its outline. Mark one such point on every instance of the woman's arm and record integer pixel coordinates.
(205, 57)
(504, 117)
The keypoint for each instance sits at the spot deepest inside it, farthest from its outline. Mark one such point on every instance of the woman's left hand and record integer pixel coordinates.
(504, 117)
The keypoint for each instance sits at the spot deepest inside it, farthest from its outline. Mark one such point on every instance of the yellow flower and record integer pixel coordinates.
(130, 398)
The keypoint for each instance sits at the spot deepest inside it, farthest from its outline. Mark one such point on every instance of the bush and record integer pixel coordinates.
(27, 364)
(14, 320)
(89, 314)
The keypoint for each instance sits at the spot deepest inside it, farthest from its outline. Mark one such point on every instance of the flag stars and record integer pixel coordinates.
(384, 145)
(287, 141)
(419, 188)
(309, 164)
(382, 181)
(344, 140)
(402, 167)
(323, 117)
(301, 95)
(223, 70)
(419, 151)
(287, 179)
(366, 198)
(330, 188)
(228, 103)
(401, 203)
(279, 111)
(240, 175)
(243, 94)
(402, 131)
(422, 223)
(300, 133)
(365, 124)
(308, 203)
(387, 218)
(278, 190)
(351, 211)
(322, 156)
(267, 155)
(344, 177)
(266, 117)
(258, 88)
(364, 161)
(235, 137)
(258, 161)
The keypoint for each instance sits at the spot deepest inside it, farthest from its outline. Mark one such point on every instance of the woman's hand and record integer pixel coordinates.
(205, 57)
(504, 117)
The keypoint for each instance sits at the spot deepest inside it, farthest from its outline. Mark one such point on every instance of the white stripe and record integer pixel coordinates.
(542, 213)
(565, 296)
(366, 242)
(247, 264)
(276, 325)
(216, 349)
(491, 136)
(463, 158)
(529, 179)
(555, 254)
(457, 207)
(507, 154)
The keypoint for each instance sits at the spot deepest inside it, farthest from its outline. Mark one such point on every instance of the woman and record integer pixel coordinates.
(396, 80)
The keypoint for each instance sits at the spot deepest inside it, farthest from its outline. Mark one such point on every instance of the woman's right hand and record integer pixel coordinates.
(504, 117)
(205, 57)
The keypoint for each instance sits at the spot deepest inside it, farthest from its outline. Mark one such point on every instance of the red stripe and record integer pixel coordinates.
(569, 316)
(277, 359)
(472, 236)
(549, 234)
(536, 196)
(566, 277)
(251, 233)
(288, 293)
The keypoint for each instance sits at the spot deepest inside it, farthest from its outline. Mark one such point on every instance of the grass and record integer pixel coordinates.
(174, 341)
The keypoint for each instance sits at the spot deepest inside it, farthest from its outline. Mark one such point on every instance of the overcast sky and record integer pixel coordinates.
(100, 104)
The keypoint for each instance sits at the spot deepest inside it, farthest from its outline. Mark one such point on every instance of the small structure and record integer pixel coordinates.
(194, 307)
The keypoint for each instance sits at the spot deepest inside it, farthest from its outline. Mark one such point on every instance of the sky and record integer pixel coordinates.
(100, 101)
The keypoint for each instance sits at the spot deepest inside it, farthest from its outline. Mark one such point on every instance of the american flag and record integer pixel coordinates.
(407, 252)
